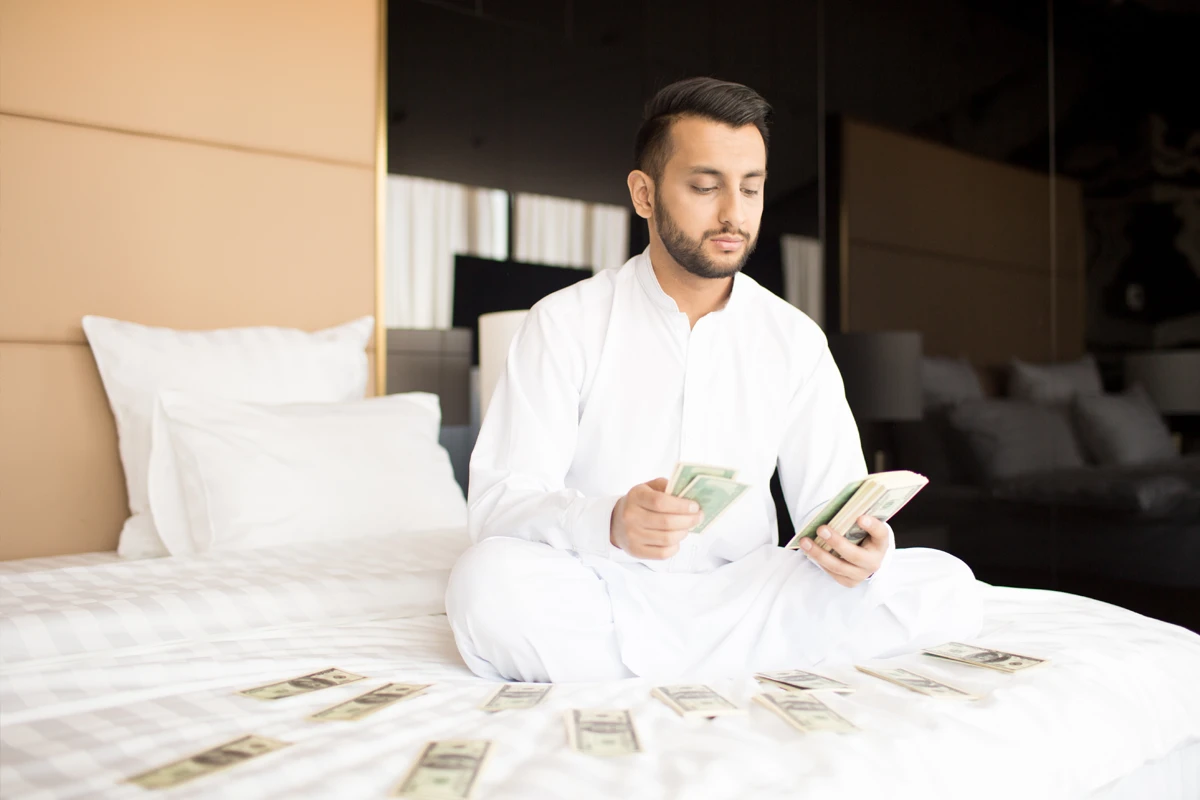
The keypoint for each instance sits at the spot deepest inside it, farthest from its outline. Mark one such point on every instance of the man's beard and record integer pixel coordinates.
(689, 253)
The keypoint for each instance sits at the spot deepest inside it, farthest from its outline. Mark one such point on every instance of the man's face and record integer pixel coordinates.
(708, 200)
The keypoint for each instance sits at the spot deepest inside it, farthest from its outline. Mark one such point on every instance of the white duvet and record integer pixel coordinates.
(110, 669)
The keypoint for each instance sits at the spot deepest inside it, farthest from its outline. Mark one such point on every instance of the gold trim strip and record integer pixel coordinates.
(167, 137)
(381, 171)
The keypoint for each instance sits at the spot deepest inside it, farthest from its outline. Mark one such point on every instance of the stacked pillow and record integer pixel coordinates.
(237, 385)
(1057, 416)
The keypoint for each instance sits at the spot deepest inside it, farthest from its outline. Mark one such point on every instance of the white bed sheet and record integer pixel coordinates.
(46, 563)
(111, 670)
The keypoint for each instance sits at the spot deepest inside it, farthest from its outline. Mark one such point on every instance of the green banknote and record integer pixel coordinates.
(714, 495)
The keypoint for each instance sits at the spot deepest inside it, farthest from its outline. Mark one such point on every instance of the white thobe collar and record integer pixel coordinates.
(654, 291)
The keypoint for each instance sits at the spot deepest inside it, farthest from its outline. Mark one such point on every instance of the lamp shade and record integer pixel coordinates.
(1170, 377)
(882, 373)
(496, 331)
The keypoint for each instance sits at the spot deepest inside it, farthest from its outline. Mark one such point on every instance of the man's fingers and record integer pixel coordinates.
(653, 496)
(834, 565)
(654, 551)
(653, 521)
(845, 548)
(878, 531)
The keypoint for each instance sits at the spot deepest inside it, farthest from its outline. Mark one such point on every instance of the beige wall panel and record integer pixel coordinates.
(924, 197)
(293, 76)
(175, 234)
(986, 313)
(61, 485)
(903, 191)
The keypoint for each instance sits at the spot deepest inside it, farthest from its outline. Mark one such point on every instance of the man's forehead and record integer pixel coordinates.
(706, 147)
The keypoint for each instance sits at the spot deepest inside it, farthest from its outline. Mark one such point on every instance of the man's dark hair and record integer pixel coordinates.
(708, 98)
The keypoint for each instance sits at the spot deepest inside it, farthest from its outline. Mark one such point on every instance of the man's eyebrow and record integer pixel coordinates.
(702, 170)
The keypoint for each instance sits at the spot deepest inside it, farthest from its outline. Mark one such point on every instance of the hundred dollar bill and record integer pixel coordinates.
(685, 471)
(369, 703)
(691, 701)
(302, 685)
(917, 683)
(799, 680)
(446, 770)
(984, 657)
(805, 712)
(602, 733)
(715, 496)
(516, 696)
(212, 760)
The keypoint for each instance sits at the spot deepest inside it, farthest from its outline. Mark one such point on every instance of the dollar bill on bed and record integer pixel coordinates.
(600, 732)
(212, 760)
(800, 681)
(917, 683)
(985, 657)
(446, 770)
(805, 712)
(693, 701)
(714, 495)
(366, 704)
(303, 685)
(686, 470)
(513, 696)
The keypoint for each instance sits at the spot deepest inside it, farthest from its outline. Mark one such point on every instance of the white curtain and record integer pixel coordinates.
(570, 233)
(804, 275)
(428, 223)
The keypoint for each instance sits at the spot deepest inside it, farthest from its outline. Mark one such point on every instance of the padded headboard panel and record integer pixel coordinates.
(958, 247)
(186, 164)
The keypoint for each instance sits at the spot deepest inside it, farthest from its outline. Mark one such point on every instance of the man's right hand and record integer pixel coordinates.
(649, 523)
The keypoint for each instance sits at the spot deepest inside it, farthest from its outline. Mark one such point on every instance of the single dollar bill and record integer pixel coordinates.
(302, 685)
(693, 701)
(805, 712)
(446, 770)
(799, 680)
(211, 760)
(516, 696)
(917, 683)
(685, 471)
(714, 495)
(602, 732)
(367, 704)
(984, 657)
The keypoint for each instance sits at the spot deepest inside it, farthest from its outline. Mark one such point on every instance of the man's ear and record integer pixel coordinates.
(641, 192)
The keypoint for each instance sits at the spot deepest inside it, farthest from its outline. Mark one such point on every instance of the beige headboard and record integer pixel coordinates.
(188, 164)
(927, 238)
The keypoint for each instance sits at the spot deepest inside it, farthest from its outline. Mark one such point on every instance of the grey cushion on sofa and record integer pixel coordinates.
(1123, 428)
(948, 381)
(1005, 438)
(1054, 383)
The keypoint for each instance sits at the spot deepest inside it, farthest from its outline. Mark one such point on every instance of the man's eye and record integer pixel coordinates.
(705, 189)
(750, 192)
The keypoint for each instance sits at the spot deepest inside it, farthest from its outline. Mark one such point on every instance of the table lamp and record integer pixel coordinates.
(882, 374)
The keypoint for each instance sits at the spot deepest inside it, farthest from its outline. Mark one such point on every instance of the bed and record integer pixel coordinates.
(110, 668)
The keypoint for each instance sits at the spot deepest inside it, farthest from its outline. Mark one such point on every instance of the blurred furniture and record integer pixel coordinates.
(1067, 524)
(1172, 379)
(881, 374)
(437, 361)
(496, 331)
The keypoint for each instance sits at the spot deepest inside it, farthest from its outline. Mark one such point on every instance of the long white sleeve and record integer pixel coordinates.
(821, 449)
(527, 444)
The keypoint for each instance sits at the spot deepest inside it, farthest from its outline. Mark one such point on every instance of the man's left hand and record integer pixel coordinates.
(857, 562)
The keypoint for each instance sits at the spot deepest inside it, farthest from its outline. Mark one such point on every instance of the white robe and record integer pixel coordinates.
(608, 386)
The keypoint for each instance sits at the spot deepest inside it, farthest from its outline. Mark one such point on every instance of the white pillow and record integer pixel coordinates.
(264, 365)
(226, 475)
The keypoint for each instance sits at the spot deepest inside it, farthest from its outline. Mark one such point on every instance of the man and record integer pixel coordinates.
(677, 356)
